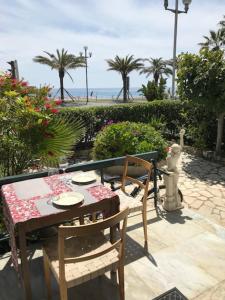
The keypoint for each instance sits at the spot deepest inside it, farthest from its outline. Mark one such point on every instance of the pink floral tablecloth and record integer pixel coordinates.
(27, 199)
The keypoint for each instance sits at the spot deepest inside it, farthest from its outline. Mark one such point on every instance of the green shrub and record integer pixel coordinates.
(94, 118)
(173, 114)
(30, 130)
(128, 138)
(153, 91)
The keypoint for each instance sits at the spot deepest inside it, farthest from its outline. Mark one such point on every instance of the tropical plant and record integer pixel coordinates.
(222, 22)
(201, 79)
(128, 138)
(158, 124)
(124, 66)
(61, 62)
(158, 67)
(152, 91)
(31, 129)
(215, 40)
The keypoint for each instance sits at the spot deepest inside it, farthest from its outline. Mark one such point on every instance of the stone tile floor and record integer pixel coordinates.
(186, 248)
(203, 185)
(185, 251)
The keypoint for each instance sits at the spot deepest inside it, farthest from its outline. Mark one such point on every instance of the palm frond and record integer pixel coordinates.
(62, 61)
(124, 65)
(157, 67)
(69, 76)
(65, 133)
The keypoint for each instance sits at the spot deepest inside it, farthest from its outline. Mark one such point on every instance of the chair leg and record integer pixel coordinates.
(47, 277)
(121, 282)
(63, 291)
(144, 217)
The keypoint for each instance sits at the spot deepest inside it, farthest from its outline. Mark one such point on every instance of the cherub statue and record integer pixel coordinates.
(182, 132)
(173, 157)
(172, 200)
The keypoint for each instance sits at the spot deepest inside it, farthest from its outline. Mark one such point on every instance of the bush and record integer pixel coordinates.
(29, 128)
(173, 114)
(128, 138)
(94, 118)
(152, 91)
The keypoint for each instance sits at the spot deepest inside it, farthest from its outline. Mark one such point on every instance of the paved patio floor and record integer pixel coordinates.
(186, 248)
(203, 185)
(186, 251)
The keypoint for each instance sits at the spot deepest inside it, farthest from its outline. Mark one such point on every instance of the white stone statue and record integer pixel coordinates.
(173, 157)
(182, 133)
(172, 200)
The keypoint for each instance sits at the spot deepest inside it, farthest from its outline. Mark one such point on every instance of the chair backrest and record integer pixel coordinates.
(89, 230)
(138, 162)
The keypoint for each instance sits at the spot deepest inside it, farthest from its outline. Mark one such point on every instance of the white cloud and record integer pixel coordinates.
(138, 27)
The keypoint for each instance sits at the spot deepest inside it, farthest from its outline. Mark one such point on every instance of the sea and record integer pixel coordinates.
(96, 93)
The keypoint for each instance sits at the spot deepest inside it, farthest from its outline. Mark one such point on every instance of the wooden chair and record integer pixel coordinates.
(138, 203)
(83, 253)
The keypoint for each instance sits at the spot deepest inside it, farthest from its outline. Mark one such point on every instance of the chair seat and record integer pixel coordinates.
(79, 272)
(126, 200)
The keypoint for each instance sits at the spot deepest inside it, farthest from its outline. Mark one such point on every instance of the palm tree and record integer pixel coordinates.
(215, 40)
(157, 68)
(62, 62)
(222, 22)
(124, 66)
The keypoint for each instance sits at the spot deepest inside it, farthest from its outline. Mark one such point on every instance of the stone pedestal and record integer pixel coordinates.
(172, 200)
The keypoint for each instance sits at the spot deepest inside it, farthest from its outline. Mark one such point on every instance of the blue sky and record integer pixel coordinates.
(108, 28)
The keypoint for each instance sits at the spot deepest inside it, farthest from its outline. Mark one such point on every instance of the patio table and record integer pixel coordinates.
(26, 207)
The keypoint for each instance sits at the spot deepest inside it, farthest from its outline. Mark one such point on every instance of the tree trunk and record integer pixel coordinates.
(61, 76)
(156, 78)
(220, 120)
(124, 88)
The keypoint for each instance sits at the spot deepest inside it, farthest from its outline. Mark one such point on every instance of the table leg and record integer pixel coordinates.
(24, 264)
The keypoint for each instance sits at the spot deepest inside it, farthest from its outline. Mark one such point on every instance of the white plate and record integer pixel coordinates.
(68, 198)
(83, 179)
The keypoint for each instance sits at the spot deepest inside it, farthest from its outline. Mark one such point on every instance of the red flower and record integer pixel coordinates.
(25, 91)
(48, 106)
(54, 110)
(48, 135)
(24, 83)
(45, 122)
(37, 109)
(168, 149)
(14, 81)
(58, 102)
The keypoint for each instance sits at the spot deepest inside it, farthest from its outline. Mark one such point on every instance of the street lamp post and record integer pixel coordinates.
(176, 12)
(86, 56)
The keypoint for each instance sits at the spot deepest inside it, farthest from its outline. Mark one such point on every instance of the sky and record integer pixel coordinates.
(120, 27)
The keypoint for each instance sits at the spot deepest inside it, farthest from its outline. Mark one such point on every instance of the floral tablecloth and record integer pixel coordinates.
(29, 199)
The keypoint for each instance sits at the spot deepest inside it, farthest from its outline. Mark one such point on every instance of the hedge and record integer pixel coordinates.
(174, 113)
